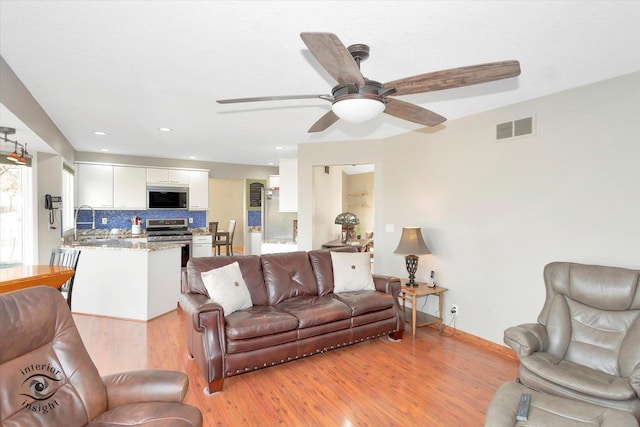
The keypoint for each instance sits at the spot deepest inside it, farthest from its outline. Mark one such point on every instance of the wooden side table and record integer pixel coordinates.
(422, 290)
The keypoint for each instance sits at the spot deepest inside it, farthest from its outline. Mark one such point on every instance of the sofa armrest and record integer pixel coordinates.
(387, 284)
(207, 319)
(147, 385)
(391, 285)
(195, 305)
(184, 280)
(526, 339)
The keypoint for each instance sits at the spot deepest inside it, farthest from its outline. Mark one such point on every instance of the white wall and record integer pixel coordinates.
(327, 204)
(494, 213)
(49, 181)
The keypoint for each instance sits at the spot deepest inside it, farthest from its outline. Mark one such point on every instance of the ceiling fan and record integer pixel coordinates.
(357, 99)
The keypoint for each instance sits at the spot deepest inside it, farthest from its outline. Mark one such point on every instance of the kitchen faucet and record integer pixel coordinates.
(93, 222)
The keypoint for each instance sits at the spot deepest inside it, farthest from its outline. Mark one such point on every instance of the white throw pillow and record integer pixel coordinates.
(351, 271)
(227, 287)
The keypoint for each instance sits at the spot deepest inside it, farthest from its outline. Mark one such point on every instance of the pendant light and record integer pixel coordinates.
(20, 159)
(14, 156)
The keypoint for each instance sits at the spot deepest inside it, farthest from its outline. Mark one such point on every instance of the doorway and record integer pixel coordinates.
(341, 188)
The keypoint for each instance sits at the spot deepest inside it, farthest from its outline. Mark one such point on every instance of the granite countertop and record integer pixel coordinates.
(201, 232)
(116, 238)
(105, 233)
(120, 244)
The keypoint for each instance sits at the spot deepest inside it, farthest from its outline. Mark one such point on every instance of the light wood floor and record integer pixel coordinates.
(430, 381)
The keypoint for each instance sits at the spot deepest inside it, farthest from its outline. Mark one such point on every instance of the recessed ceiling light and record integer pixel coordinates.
(279, 148)
(270, 163)
(104, 150)
(165, 129)
(192, 157)
(99, 132)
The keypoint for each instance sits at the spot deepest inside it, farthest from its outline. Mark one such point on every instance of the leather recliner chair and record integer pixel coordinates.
(48, 379)
(586, 344)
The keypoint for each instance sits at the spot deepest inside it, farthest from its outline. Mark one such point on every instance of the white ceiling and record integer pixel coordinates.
(128, 68)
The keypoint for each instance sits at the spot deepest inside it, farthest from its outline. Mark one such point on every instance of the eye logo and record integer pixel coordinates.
(39, 388)
(39, 385)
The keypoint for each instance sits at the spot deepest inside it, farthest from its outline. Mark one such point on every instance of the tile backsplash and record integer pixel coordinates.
(122, 219)
(254, 218)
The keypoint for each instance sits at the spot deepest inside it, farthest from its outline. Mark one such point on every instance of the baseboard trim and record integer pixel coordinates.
(481, 342)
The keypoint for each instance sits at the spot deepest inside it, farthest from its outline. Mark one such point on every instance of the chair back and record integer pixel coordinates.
(232, 229)
(592, 316)
(213, 229)
(47, 375)
(66, 258)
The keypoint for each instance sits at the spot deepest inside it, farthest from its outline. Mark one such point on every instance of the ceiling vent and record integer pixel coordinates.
(515, 129)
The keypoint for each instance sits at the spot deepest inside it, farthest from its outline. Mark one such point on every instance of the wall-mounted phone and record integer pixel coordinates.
(51, 203)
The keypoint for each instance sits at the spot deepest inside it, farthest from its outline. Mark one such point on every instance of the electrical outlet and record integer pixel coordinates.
(190, 220)
(104, 221)
(454, 309)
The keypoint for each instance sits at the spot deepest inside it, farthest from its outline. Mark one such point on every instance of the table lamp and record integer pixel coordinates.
(412, 244)
(348, 220)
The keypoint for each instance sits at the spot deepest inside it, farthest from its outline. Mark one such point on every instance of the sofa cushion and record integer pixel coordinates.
(257, 343)
(314, 310)
(288, 275)
(226, 286)
(351, 272)
(323, 269)
(361, 302)
(258, 321)
(250, 266)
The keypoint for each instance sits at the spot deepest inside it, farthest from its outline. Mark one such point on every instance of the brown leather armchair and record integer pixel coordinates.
(49, 379)
(586, 344)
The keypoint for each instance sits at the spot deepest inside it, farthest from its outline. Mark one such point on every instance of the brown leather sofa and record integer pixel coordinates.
(586, 343)
(294, 314)
(48, 379)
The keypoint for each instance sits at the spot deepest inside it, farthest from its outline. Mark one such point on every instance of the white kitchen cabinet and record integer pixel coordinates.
(129, 187)
(198, 190)
(94, 185)
(289, 185)
(202, 246)
(167, 176)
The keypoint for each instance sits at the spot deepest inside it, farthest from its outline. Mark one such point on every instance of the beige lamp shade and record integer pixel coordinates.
(411, 242)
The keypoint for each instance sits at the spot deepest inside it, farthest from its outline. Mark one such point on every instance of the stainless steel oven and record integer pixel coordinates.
(174, 230)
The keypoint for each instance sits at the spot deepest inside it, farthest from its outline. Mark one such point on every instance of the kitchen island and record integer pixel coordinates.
(125, 279)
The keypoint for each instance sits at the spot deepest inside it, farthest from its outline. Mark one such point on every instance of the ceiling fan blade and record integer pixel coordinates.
(334, 57)
(411, 112)
(273, 98)
(324, 122)
(456, 77)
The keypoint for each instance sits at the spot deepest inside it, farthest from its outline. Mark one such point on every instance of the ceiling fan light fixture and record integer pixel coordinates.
(357, 110)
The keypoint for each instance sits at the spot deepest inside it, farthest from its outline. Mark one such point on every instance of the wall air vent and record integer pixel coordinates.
(515, 129)
(504, 130)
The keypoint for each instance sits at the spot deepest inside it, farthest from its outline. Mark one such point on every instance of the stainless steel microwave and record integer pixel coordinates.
(167, 197)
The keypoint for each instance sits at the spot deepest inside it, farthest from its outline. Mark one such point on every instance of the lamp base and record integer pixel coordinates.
(412, 266)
